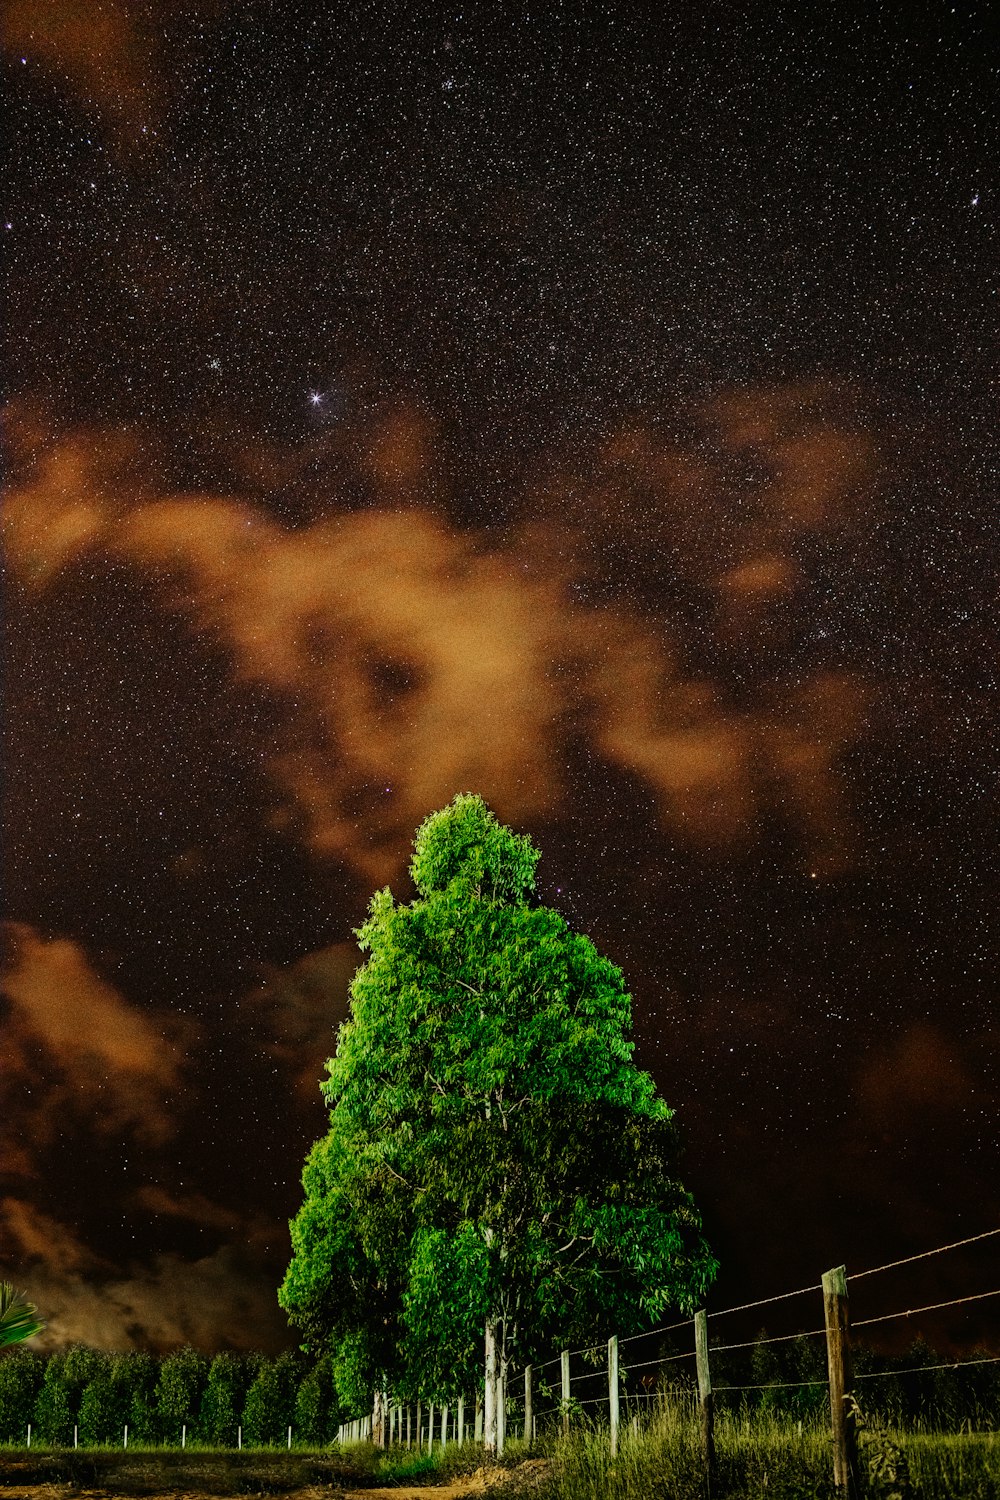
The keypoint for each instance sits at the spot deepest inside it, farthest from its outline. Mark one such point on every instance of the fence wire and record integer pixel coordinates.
(908, 1259)
(910, 1312)
(814, 1288)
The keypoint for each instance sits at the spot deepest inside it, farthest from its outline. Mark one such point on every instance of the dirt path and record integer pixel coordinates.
(464, 1489)
(468, 1487)
(458, 1490)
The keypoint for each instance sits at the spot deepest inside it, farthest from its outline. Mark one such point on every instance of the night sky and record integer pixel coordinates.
(594, 407)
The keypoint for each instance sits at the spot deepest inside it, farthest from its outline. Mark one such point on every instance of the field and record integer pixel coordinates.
(760, 1457)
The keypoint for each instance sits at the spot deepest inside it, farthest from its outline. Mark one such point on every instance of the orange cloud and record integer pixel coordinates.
(223, 1300)
(31, 1235)
(93, 1050)
(921, 1072)
(106, 56)
(302, 1006)
(415, 663)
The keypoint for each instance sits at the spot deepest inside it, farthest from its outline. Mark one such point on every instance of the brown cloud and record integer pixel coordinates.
(106, 56)
(194, 1208)
(71, 1032)
(419, 664)
(226, 1299)
(728, 506)
(31, 1236)
(301, 1008)
(921, 1072)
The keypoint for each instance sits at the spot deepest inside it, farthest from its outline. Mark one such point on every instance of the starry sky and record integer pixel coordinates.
(593, 406)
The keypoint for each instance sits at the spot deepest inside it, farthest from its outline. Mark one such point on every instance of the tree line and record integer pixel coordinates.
(98, 1393)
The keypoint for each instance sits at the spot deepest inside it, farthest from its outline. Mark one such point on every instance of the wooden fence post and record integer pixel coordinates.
(461, 1420)
(705, 1399)
(478, 1428)
(528, 1428)
(838, 1359)
(564, 1371)
(613, 1391)
(430, 1429)
(444, 1428)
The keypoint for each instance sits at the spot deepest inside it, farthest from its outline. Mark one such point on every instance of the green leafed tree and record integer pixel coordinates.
(137, 1373)
(182, 1379)
(54, 1415)
(20, 1380)
(498, 1176)
(316, 1411)
(67, 1375)
(221, 1408)
(103, 1408)
(269, 1408)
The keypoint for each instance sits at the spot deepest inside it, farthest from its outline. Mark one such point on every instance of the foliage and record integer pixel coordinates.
(103, 1408)
(449, 1275)
(54, 1409)
(20, 1379)
(182, 1379)
(137, 1373)
(317, 1416)
(483, 1098)
(269, 1408)
(17, 1316)
(222, 1401)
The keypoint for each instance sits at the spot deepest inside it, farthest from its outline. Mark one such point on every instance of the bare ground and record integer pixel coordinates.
(523, 1480)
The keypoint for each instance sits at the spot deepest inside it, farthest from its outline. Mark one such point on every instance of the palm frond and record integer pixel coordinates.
(17, 1316)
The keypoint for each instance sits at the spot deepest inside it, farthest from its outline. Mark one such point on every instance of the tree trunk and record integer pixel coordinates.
(501, 1401)
(378, 1419)
(490, 1391)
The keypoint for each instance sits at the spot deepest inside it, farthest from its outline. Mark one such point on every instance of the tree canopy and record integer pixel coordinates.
(498, 1175)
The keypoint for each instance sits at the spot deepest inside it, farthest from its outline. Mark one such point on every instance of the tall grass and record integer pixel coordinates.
(762, 1456)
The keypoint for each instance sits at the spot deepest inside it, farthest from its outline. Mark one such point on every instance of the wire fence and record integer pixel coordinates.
(555, 1397)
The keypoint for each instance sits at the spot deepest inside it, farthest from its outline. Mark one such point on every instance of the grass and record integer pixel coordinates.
(761, 1456)
(145, 1471)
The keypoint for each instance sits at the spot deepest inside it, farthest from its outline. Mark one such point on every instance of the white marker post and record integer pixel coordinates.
(184, 1433)
(613, 1392)
(289, 1437)
(125, 1438)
